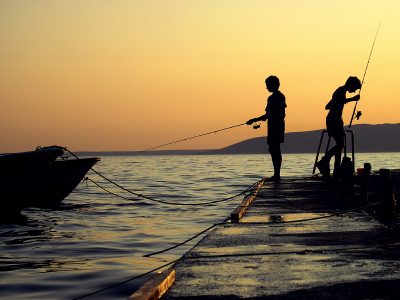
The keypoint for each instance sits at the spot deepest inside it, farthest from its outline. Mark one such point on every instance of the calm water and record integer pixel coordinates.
(95, 239)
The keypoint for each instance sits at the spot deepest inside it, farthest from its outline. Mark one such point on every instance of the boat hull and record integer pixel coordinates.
(20, 174)
(60, 180)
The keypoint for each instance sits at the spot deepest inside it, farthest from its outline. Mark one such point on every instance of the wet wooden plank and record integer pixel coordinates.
(241, 209)
(155, 287)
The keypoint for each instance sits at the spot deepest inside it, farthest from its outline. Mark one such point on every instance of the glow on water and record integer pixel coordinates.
(95, 239)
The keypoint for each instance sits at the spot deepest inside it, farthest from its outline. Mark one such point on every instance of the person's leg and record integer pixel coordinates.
(338, 154)
(335, 130)
(323, 164)
(334, 151)
(276, 155)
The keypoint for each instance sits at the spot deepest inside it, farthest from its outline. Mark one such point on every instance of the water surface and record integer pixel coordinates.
(96, 239)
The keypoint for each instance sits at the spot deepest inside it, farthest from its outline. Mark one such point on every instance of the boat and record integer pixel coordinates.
(40, 178)
(20, 174)
(61, 178)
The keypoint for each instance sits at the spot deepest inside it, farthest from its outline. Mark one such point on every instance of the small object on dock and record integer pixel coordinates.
(155, 287)
(364, 182)
(347, 175)
(275, 219)
(387, 192)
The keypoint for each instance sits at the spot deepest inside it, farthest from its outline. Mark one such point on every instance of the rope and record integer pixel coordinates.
(266, 187)
(211, 227)
(322, 217)
(152, 199)
(166, 202)
(125, 281)
(294, 221)
(180, 244)
(306, 251)
(196, 136)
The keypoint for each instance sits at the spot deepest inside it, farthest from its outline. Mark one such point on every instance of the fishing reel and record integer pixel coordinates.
(256, 126)
(357, 115)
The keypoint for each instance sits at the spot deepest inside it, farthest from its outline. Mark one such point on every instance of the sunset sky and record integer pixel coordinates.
(130, 75)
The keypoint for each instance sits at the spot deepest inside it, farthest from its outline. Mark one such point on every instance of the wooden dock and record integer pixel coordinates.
(300, 238)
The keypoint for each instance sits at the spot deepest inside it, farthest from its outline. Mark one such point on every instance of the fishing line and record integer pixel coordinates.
(358, 115)
(196, 136)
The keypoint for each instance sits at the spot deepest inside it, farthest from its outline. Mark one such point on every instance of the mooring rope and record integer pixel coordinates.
(303, 185)
(125, 281)
(167, 202)
(188, 240)
(213, 226)
(270, 223)
(282, 224)
(306, 251)
(149, 198)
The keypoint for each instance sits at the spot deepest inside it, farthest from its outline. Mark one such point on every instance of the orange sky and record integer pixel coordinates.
(131, 75)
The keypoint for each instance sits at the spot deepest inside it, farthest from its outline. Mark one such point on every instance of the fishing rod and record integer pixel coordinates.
(358, 115)
(196, 136)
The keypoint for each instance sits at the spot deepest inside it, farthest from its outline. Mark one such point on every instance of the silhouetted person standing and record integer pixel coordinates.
(275, 114)
(334, 125)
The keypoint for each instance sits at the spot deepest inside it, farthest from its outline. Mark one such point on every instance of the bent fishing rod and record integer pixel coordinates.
(358, 115)
(196, 136)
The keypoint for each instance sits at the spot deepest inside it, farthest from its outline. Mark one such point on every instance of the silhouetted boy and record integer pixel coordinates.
(275, 113)
(334, 125)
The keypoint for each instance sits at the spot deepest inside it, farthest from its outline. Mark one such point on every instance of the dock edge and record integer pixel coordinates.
(241, 209)
(155, 287)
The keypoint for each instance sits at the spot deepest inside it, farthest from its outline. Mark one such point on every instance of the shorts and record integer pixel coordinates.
(276, 132)
(334, 125)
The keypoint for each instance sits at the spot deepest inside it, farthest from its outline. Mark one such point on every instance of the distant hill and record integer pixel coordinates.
(368, 138)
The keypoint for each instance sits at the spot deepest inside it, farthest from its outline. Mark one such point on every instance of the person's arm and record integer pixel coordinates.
(262, 118)
(328, 106)
(355, 98)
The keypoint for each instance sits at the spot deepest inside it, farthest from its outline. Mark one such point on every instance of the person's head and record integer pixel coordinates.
(272, 83)
(353, 84)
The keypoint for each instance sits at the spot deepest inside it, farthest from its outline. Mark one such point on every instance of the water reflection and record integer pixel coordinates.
(14, 263)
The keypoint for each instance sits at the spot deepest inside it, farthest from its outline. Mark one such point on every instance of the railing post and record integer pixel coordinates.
(387, 193)
(347, 175)
(364, 183)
